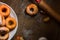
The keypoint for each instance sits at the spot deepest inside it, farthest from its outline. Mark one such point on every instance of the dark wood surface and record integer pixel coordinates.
(34, 26)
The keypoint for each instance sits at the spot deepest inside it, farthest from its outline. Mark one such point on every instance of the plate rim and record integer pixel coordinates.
(16, 21)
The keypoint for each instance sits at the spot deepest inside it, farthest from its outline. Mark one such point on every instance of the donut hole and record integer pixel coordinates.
(31, 9)
(4, 10)
(11, 22)
(2, 32)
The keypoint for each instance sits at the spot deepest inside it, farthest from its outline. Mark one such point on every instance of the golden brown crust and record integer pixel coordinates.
(4, 28)
(34, 7)
(6, 35)
(12, 26)
(4, 10)
(4, 21)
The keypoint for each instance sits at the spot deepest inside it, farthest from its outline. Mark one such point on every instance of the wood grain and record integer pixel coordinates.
(35, 25)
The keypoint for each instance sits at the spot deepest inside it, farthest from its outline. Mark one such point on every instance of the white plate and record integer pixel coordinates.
(12, 14)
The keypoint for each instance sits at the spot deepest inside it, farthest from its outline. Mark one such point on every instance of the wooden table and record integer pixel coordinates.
(34, 25)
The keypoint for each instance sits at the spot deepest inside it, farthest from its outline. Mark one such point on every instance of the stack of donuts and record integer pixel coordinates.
(7, 23)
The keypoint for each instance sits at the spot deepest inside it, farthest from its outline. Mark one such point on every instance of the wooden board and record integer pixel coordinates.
(32, 28)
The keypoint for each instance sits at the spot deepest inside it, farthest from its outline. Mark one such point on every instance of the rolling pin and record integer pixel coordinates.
(47, 8)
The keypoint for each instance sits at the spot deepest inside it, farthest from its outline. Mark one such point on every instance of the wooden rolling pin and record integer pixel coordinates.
(47, 8)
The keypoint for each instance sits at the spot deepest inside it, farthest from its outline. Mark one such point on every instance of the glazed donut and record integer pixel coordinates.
(32, 9)
(4, 33)
(10, 23)
(4, 10)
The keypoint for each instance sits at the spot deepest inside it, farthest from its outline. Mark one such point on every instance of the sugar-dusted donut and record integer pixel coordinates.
(4, 33)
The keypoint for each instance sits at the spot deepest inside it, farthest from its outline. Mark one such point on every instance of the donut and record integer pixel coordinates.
(3, 21)
(10, 22)
(1, 17)
(4, 10)
(19, 38)
(4, 33)
(32, 9)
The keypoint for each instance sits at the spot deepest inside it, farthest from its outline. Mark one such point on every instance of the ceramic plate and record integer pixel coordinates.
(12, 14)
